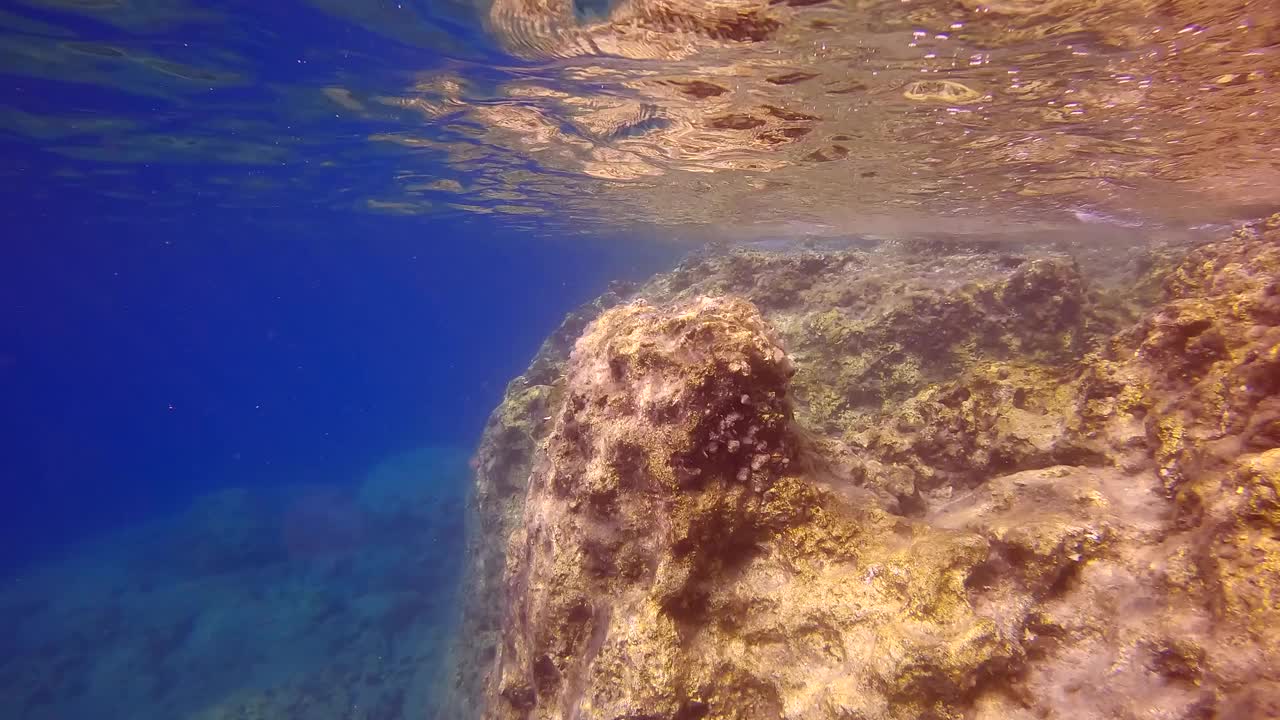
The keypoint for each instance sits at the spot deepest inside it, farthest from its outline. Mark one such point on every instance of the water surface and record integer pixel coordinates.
(269, 265)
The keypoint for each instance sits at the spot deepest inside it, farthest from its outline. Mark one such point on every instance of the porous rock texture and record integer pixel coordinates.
(888, 485)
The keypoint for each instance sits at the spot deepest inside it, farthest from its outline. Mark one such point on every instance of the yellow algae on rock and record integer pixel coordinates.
(894, 486)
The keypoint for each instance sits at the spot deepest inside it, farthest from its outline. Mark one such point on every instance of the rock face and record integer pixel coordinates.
(667, 465)
(974, 486)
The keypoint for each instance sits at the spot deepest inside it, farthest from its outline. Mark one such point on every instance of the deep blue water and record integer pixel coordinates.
(171, 323)
(238, 386)
(142, 365)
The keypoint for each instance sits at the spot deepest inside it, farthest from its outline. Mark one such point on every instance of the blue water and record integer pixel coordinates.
(237, 404)
(145, 364)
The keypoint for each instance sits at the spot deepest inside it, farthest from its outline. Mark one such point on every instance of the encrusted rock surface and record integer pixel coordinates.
(890, 484)
(667, 464)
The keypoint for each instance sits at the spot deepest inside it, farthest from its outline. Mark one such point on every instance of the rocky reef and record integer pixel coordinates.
(297, 601)
(914, 482)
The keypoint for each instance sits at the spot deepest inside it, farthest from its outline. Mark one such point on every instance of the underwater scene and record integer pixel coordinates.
(640, 360)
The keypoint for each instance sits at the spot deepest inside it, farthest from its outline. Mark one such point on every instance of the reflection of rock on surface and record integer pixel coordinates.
(1043, 518)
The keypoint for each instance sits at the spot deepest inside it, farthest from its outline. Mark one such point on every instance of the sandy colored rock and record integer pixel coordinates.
(668, 461)
(988, 488)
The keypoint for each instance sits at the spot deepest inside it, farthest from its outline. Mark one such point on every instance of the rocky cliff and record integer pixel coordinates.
(908, 483)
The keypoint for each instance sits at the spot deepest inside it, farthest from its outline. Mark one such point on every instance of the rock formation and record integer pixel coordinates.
(669, 461)
(278, 603)
(890, 485)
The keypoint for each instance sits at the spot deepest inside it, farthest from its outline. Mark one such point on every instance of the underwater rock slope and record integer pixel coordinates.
(891, 485)
(281, 603)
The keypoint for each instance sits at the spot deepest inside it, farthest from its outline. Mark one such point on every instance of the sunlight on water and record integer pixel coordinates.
(687, 115)
(945, 412)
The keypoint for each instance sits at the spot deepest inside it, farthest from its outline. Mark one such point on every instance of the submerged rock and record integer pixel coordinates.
(971, 486)
(668, 465)
(288, 602)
